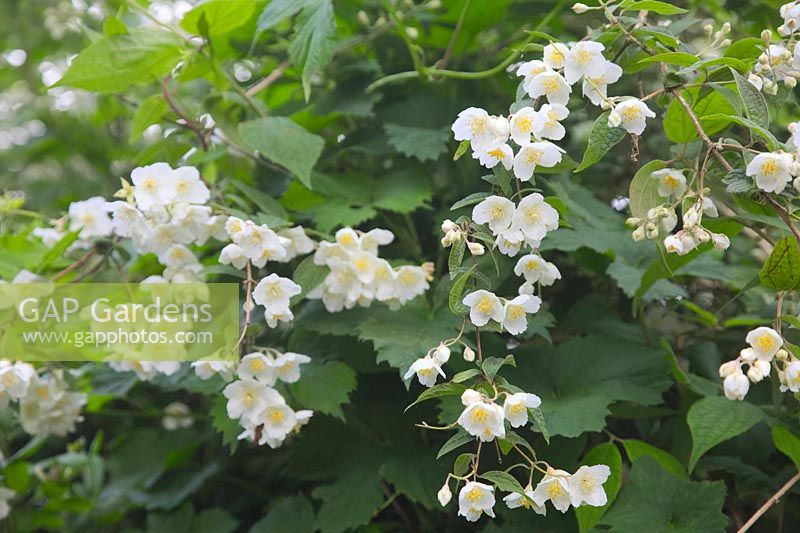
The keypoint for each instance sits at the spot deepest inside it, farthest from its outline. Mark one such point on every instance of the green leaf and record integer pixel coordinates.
(644, 189)
(658, 502)
(602, 454)
(472, 199)
(220, 16)
(438, 391)
(576, 390)
(787, 442)
(754, 103)
(290, 515)
(671, 58)
(462, 462)
(351, 501)
(491, 365)
(737, 182)
(601, 139)
(454, 298)
(284, 142)
(312, 45)
(678, 126)
(230, 429)
(309, 276)
(456, 254)
(266, 203)
(325, 387)
(781, 270)
(538, 424)
(503, 481)
(637, 449)
(461, 150)
(277, 11)
(715, 419)
(17, 476)
(114, 63)
(413, 194)
(662, 8)
(421, 143)
(718, 118)
(214, 520)
(456, 441)
(464, 375)
(149, 112)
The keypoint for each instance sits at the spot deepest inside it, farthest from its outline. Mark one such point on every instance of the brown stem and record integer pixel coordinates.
(769, 503)
(248, 301)
(196, 128)
(271, 78)
(76, 265)
(442, 63)
(783, 214)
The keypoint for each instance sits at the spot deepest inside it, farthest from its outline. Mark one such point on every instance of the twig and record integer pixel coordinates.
(196, 128)
(248, 301)
(76, 265)
(769, 503)
(271, 78)
(454, 37)
(783, 214)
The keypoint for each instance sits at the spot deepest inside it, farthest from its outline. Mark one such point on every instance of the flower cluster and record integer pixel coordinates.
(48, 406)
(253, 401)
(146, 370)
(766, 347)
(257, 243)
(779, 62)
(672, 185)
(358, 276)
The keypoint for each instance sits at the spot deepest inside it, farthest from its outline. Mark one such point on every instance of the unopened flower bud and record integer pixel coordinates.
(444, 495)
(429, 269)
(579, 8)
(758, 371)
(781, 355)
(469, 354)
(747, 355)
(728, 368)
(721, 241)
(725, 43)
(413, 33)
(441, 354)
(633, 221)
(797, 184)
(651, 230)
(639, 234)
(708, 29)
(476, 248)
(363, 18)
(448, 225)
(702, 235)
(726, 28)
(790, 82)
(766, 36)
(527, 288)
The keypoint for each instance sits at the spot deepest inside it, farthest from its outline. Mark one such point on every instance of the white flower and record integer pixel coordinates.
(275, 292)
(524, 123)
(188, 186)
(90, 218)
(554, 486)
(792, 378)
(364, 265)
(516, 407)
(483, 420)
(484, 306)
(554, 55)
(551, 127)
(371, 240)
(469, 354)
(551, 85)
(207, 369)
(444, 495)
(541, 153)
(278, 420)
(410, 282)
(51, 236)
(670, 182)
(475, 125)
(495, 211)
(154, 185)
(177, 255)
(530, 70)
(585, 58)
(299, 242)
(516, 500)
(15, 379)
(596, 89)
(474, 499)
(765, 342)
(535, 269)
(247, 398)
(758, 370)
(49, 407)
(510, 242)
(287, 366)
(586, 485)
(721, 241)
(177, 415)
(771, 171)
(233, 255)
(515, 320)
(736, 386)
(426, 369)
(258, 367)
(673, 244)
(5, 495)
(631, 115)
(534, 217)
